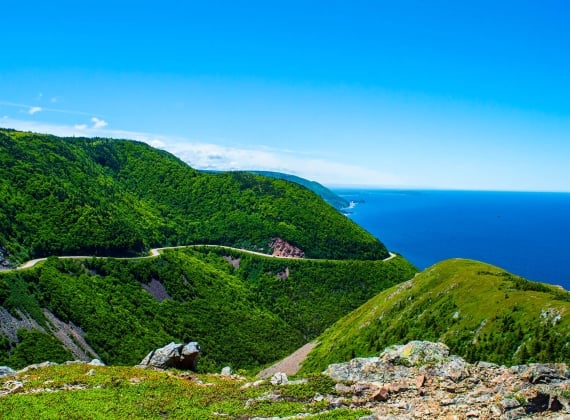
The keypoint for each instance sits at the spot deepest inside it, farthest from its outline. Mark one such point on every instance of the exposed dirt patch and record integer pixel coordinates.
(233, 261)
(291, 364)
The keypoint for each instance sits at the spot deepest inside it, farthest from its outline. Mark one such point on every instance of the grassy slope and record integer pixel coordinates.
(82, 196)
(244, 318)
(480, 311)
(121, 392)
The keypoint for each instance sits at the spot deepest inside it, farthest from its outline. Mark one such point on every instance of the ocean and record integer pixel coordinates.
(527, 234)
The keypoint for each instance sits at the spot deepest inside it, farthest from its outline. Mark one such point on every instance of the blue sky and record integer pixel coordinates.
(413, 94)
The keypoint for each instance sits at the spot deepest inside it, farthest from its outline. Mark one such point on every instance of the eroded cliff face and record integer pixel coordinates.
(70, 335)
(282, 248)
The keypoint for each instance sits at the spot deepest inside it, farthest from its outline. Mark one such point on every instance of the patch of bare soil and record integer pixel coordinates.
(291, 364)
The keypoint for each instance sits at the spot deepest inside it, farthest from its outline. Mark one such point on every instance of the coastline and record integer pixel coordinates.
(523, 232)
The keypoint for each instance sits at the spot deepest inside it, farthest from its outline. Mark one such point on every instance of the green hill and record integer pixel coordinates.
(330, 197)
(97, 196)
(244, 310)
(480, 311)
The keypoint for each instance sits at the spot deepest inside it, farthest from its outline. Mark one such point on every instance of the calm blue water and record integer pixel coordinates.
(525, 233)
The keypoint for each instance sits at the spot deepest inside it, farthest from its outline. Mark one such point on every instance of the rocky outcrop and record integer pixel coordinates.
(4, 263)
(94, 362)
(179, 356)
(70, 335)
(6, 371)
(157, 290)
(422, 380)
(282, 248)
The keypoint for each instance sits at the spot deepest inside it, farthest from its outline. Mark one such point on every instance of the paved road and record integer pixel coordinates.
(155, 252)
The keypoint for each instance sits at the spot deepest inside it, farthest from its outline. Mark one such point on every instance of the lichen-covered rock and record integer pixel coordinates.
(415, 353)
(422, 380)
(391, 365)
(173, 355)
(454, 368)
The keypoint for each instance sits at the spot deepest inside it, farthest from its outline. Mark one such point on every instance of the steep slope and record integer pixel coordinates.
(329, 196)
(245, 311)
(480, 311)
(419, 380)
(116, 197)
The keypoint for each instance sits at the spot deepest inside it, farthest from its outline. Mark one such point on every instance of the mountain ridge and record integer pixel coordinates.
(480, 311)
(329, 196)
(246, 308)
(118, 197)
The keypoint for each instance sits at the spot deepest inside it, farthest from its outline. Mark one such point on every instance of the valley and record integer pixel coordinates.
(111, 248)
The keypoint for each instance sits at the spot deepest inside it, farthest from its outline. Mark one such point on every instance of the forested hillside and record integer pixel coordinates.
(326, 194)
(116, 197)
(244, 310)
(480, 311)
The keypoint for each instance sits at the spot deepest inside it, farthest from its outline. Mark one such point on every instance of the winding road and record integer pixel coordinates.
(155, 252)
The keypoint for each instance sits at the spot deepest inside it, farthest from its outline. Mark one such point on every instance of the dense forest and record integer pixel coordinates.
(329, 196)
(244, 310)
(480, 311)
(79, 196)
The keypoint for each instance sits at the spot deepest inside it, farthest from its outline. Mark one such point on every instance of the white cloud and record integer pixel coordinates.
(97, 123)
(215, 157)
(34, 109)
(159, 144)
(202, 155)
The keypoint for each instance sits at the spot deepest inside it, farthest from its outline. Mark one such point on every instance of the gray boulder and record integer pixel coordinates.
(4, 263)
(545, 373)
(6, 371)
(456, 368)
(279, 378)
(173, 355)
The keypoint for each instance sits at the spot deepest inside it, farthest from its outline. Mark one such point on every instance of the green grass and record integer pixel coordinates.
(480, 311)
(125, 392)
